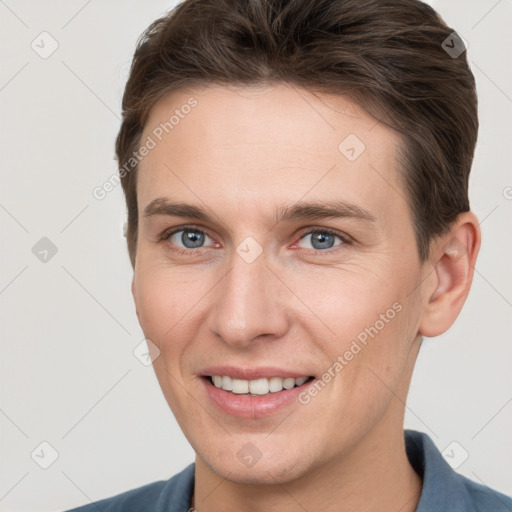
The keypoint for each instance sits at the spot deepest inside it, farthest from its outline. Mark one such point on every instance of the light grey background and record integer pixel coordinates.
(68, 327)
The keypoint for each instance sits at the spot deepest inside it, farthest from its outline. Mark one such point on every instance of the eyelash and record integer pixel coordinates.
(166, 235)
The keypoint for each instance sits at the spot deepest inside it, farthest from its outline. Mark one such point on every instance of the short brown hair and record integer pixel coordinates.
(386, 55)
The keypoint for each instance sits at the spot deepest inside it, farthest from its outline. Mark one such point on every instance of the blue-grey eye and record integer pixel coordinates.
(321, 240)
(190, 238)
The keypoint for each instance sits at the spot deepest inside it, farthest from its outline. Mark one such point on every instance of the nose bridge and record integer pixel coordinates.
(247, 301)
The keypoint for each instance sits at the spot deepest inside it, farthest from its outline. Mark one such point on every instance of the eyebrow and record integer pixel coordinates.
(298, 211)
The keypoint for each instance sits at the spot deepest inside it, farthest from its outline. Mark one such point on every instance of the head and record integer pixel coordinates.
(296, 180)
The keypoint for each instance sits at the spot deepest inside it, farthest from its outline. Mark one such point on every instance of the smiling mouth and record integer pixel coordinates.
(256, 387)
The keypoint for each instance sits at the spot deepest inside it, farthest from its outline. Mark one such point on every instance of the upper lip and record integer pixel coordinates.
(253, 373)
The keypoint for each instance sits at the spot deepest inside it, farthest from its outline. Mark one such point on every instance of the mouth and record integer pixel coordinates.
(257, 387)
(253, 392)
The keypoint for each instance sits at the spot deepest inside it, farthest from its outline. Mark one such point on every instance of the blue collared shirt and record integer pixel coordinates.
(444, 490)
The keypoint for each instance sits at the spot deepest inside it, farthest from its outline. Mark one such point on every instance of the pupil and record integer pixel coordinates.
(192, 236)
(322, 237)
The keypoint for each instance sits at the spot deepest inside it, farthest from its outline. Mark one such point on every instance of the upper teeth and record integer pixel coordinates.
(258, 386)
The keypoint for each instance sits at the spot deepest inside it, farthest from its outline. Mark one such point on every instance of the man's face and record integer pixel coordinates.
(249, 296)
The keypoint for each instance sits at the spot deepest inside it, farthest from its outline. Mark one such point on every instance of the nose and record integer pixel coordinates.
(250, 303)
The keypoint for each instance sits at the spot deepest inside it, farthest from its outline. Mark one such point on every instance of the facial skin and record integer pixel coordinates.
(244, 153)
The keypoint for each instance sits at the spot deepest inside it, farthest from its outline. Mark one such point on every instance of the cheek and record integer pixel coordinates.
(367, 318)
(345, 301)
(165, 306)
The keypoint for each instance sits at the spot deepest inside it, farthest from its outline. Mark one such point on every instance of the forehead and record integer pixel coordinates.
(241, 148)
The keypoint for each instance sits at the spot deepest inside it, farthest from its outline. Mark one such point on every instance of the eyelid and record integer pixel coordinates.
(167, 233)
(322, 229)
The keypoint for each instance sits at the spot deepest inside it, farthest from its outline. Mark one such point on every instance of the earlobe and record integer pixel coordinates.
(453, 259)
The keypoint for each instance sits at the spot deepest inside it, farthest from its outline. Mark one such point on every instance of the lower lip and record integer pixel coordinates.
(245, 406)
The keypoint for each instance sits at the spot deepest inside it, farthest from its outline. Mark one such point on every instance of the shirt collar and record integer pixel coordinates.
(443, 488)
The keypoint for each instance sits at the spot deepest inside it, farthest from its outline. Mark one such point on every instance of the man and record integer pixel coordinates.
(296, 180)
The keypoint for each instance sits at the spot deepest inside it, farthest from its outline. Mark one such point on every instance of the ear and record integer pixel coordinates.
(452, 261)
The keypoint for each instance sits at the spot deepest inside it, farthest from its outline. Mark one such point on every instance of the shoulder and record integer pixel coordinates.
(172, 495)
(443, 488)
(483, 498)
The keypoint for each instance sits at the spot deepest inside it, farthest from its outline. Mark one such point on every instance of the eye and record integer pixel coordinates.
(186, 238)
(323, 239)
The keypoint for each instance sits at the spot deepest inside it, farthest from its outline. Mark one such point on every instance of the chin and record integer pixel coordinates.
(269, 469)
